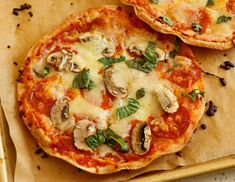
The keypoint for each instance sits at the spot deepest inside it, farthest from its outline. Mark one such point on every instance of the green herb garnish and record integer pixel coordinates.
(196, 27)
(82, 80)
(210, 3)
(94, 140)
(194, 94)
(176, 50)
(166, 20)
(45, 72)
(132, 106)
(223, 19)
(107, 137)
(115, 141)
(108, 61)
(147, 62)
(155, 1)
(140, 93)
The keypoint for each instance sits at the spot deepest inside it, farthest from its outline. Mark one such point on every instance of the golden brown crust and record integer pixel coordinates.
(188, 37)
(38, 125)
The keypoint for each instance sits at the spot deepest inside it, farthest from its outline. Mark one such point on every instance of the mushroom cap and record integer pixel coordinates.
(59, 112)
(114, 90)
(82, 130)
(141, 137)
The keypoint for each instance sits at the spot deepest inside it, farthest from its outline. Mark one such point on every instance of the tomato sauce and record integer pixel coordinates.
(39, 101)
(204, 19)
(177, 123)
(107, 101)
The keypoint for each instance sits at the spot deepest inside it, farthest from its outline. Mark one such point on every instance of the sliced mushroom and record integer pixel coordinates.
(107, 46)
(141, 137)
(161, 54)
(82, 130)
(167, 99)
(109, 51)
(116, 91)
(137, 49)
(62, 61)
(59, 112)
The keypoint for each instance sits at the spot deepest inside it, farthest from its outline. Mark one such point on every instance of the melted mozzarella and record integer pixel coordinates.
(84, 108)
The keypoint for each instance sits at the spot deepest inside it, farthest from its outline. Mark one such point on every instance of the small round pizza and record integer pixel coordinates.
(105, 92)
(203, 23)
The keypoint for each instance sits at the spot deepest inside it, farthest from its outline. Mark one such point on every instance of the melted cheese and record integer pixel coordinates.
(84, 108)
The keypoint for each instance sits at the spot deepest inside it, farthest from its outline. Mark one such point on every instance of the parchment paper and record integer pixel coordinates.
(214, 142)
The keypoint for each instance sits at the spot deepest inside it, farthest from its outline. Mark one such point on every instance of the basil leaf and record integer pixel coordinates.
(140, 93)
(82, 80)
(147, 62)
(210, 3)
(176, 50)
(194, 94)
(108, 61)
(223, 19)
(155, 1)
(196, 27)
(92, 141)
(113, 139)
(166, 20)
(45, 72)
(132, 106)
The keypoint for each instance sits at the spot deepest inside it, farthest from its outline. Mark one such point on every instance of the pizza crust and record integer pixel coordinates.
(41, 135)
(225, 44)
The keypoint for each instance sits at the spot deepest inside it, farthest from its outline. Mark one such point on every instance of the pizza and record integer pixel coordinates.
(203, 23)
(105, 92)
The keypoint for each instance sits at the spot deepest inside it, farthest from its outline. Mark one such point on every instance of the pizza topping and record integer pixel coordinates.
(44, 72)
(107, 137)
(141, 138)
(62, 61)
(196, 27)
(115, 141)
(147, 62)
(132, 106)
(103, 45)
(210, 3)
(167, 99)
(223, 19)
(140, 93)
(82, 80)
(194, 94)
(155, 1)
(166, 20)
(140, 49)
(114, 90)
(82, 130)
(107, 61)
(176, 50)
(59, 112)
